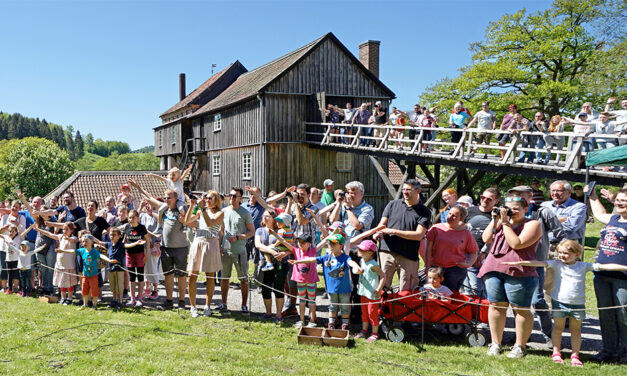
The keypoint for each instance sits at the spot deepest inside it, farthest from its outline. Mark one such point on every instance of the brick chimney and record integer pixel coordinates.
(182, 94)
(369, 56)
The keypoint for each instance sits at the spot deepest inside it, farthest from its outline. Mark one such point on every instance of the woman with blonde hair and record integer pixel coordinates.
(556, 125)
(204, 254)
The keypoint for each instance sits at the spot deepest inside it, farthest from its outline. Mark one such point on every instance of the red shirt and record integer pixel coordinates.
(450, 247)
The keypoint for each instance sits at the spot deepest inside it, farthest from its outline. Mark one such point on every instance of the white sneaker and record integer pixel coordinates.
(494, 349)
(206, 311)
(517, 352)
(299, 324)
(312, 324)
(193, 311)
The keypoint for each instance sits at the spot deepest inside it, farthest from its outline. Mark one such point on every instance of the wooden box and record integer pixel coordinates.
(48, 299)
(310, 336)
(336, 337)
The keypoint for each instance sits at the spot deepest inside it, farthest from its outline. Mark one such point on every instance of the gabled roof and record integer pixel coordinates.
(97, 185)
(195, 97)
(251, 83)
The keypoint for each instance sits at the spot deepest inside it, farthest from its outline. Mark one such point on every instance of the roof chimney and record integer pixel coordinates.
(369, 56)
(182, 94)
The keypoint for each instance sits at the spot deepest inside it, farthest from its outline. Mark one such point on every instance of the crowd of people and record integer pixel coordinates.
(515, 253)
(548, 129)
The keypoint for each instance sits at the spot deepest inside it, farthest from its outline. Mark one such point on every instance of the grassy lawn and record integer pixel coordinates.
(36, 338)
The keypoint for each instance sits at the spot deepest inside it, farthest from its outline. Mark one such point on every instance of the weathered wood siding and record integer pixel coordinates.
(231, 169)
(298, 163)
(169, 147)
(284, 117)
(240, 127)
(328, 69)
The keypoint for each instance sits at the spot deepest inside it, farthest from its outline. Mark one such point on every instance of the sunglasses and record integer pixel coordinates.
(234, 196)
(488, 199)
(514, 199)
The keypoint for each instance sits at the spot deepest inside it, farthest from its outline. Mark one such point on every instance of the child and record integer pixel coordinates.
(569, 294)
(11, 247)
(116, 251)
(285, 232)
(435, 289)
(125, 198)
(305, 276)
(24, 264)
(90, 257)
(174, 181)
(65, 266)
(371, 282)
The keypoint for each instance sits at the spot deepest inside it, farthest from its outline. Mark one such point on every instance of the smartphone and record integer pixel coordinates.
(591, 187)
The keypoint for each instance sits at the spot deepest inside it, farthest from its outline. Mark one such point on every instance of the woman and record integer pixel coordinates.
(555, 125)
(452, 247)
(516, 239)
(449, 196)
(503, 138)
(204, 254)
(46, 257)
(272, 280)
(610, 287)
(153, 269)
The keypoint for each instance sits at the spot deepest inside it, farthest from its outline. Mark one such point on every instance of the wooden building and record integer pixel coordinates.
(248, 127)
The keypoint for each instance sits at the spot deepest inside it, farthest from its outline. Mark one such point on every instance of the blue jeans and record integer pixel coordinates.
(25, 286)
(605, 144)
(528, 141)
(47, 273)
(518, 291)
(612, 292)
(365, 132)
(475, 283)
(538, 302)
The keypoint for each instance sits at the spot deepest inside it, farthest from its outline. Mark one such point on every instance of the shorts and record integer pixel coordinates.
(563, 310)
(174, 260)
(518, 291)
(306, 292)
(503, 138)
(239, 260)
(90, 286)
(370, 312)
(391, 262)
(343, 300)
(482, 138)
(135, 260)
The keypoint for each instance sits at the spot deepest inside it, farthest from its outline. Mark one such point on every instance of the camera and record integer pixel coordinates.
(341, 194)
(497, 211)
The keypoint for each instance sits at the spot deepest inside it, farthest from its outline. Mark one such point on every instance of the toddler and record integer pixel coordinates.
(116, 251)
(24, 264)
(286, 233)
(434, 288)
(174, 181)
(371, 282)
(125, 198)
(569, 294)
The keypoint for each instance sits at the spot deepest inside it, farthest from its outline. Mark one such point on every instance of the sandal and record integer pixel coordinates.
(557, 358)
(575, 361)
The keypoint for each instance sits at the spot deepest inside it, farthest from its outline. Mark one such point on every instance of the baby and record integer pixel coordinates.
(435, 289)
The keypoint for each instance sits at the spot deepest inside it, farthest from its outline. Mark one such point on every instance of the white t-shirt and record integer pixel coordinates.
(485, 120)
(569, 284)
(348, 114)
(176, 186)
(441, 291)
(621, 115)
(24, 261)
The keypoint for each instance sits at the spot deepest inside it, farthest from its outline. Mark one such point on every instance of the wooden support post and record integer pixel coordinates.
(428, 173)
(436, 194)
(510, 154)
(383, 176)
(572, 158)
(472, 182)
(460, 181)
(410, 173)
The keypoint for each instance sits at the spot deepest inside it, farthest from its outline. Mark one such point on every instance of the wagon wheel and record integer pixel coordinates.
(384, 327)
(477, 339)
(456, 329)
(396, 335)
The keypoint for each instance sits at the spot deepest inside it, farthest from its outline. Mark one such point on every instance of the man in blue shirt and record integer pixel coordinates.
(570, 212)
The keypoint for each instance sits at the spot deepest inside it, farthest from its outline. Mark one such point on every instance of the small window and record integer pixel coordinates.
(216, 165)
(247, 166)
(160, 138)
(217, 122)
(173, 134)
(344, 162)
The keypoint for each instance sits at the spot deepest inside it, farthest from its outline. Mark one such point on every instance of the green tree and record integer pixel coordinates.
(89, 142)
(542, 61)
(128, 161)
(69, 143)
(79, 146)
(34, 164)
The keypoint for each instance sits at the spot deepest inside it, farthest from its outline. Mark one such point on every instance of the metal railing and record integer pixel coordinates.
(515, 149)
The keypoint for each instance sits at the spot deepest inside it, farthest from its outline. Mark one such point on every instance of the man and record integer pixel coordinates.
(357, 216)
(537, 196)
(68, 212)
(238, 226)
(361, 116)
(315, 197)
(332, 115)
(571, 213)
(327, 196)
(414, 120)
(407, 221)
(486, 121)
(110, 212)
(174, 249)
(478, 219)
(552, 227)
(347, 113)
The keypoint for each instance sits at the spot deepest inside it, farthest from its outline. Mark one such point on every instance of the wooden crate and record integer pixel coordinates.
(310, 336)
(336, 337)
(48, 299)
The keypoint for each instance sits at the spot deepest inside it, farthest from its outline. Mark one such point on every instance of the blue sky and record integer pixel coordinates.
(111, 67)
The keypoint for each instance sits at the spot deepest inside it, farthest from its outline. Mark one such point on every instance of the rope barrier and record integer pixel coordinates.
(250, 277)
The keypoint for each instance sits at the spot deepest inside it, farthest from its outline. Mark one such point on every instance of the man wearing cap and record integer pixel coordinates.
(407, 221)
(327, 195)
(552, 227)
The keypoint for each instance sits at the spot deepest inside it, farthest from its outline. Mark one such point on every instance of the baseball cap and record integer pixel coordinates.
(328, 182)
(24, 242)
(304, 237)
(520, 188)
(367, 245)
(582, 114)
(284, 218)
(337, 238)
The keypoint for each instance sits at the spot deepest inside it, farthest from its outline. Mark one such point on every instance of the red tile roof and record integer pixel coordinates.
(97, 185)
(396, 175)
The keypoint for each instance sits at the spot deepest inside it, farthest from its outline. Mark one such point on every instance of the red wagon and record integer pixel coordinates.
(460, 314)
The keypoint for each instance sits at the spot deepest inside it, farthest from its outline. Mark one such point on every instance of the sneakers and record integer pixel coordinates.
(267, 267)
(372, 338)
(221, 307)
(154, 295)
(8, 292)
(113, 304)
(181, 304)
(67, 302)
(267, 316)
(517, 352)
(206, 311)
(299, 324)
(167, 305)
(245, 309)
(361, 334)
(345, 326)
(131, 303)
(290, 311)
(331, 325)
(312, 324)
(138, 303)
(193, 311)
(494, 349)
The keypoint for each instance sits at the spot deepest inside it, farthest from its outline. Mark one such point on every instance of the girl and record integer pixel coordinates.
(65, 266)
(569, 294)
(89, 280)
(153, 269)
(204, 254)
(434, 288)
(306, 277)
(116, 251)
(136, 241)
(371, 282)
(12, 242)
(174, 181)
